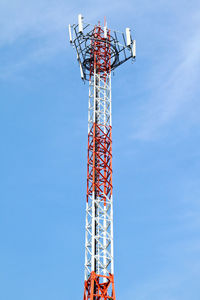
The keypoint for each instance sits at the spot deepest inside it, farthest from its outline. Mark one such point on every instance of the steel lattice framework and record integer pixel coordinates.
(99, 52)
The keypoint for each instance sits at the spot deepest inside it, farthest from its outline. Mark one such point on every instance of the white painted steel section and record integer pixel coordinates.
(99, 218)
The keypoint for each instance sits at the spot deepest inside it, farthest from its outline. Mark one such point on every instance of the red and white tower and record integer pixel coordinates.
(99, 51)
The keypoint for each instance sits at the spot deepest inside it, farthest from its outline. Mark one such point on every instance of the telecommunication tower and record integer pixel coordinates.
(99, 51)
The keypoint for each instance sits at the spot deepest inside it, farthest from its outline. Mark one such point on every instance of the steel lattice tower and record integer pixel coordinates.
(99, 51)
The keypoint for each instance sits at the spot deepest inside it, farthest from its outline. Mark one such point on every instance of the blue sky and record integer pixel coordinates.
(156, 148)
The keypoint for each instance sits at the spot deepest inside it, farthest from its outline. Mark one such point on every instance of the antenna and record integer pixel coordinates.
(128, 37)
(105, 32)
(134, 48)
(80, 23)
(70, 34)
(81, 71)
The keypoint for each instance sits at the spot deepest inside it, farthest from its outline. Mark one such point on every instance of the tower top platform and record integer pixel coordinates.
(88, 39)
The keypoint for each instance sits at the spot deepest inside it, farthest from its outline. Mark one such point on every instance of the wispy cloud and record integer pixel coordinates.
(175, 86)
(30, 32)
(31, 19)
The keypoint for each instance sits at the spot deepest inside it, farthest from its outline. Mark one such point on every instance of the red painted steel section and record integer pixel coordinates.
(99, 168)
(104, 287)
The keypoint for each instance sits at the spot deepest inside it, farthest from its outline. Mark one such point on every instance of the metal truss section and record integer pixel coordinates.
(99, 238)
(99, 110)
(99, 206)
